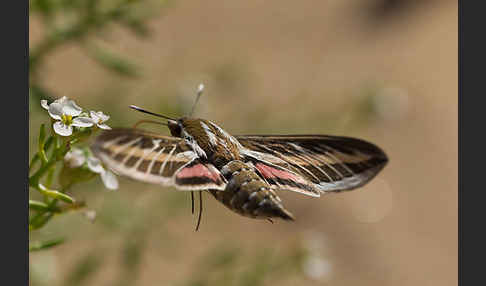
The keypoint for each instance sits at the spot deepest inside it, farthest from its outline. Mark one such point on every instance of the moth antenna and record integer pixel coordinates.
(200, 211)
(200, 90)
(151, 113)
(192, 202)
(148, 121)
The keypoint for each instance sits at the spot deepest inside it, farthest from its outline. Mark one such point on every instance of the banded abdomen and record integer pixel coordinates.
(248, 194)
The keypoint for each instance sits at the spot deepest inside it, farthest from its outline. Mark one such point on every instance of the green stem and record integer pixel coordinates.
(45, 244)
(55, 194)
(34, 160)
(56, 155)
(41, 207)
(50, 176)
(51, 207)
(34, 179)
(48, 143)
(40, 220)
(42, 139)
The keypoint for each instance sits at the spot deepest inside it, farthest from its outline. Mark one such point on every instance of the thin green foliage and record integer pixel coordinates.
(45, 244)
(61, 146)
(81, 22)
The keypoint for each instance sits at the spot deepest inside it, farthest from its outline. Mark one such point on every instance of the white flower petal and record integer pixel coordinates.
(99, 116)
(200, 88)
(44, 104)
(104, 126)
(61, 100)
(70, 108)
(94, 116)
(55, 110)
(82, 122)
(317, 268)
(74, 158)
(95, 166)
(62, 129)
(90, 215)
(103, 116)
(110, 180)
(77, 151)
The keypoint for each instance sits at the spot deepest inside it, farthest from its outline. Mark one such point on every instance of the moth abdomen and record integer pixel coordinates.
(248, 194)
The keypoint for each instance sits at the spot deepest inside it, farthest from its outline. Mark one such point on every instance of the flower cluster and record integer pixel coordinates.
(68, 114)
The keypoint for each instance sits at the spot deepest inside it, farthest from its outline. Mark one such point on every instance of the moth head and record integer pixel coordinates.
(182, 127)
(175, 128)
(189, 128)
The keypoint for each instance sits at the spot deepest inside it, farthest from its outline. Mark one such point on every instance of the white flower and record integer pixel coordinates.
(64, 110)
(109, 179)
(200, 88)
(317, 268)
(99, 118)
(77, 157)
(90, 215)
(315, 265)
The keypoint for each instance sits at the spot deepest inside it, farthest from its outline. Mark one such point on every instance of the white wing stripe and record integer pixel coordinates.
(114, 141)
(129, 155)
(126, 146)
(145, 153)
(149, 168)
(166, 160)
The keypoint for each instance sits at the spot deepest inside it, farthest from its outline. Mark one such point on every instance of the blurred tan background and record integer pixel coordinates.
(386, 73)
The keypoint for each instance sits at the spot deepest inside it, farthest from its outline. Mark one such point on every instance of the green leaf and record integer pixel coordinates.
(60, 196)
(34, 160)
(112, 61)
(38, 206)
(40, 220)
(45, 244)
(42, 138)
(58, 142)
(55, 194)
(48, 143)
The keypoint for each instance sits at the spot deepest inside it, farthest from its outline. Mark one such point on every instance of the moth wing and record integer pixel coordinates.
(154, 158)
(328, 163)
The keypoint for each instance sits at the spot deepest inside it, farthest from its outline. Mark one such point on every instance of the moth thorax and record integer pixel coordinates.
(216, 143)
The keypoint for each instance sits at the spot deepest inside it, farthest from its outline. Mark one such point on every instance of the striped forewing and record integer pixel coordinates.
(154, 158)
(312, 164)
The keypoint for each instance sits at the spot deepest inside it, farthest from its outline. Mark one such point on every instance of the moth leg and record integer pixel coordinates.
(192, 202)
(200, 211)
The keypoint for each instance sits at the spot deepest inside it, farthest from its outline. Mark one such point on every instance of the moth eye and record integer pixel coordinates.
(175, 129)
